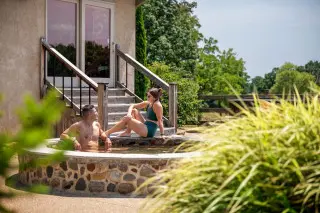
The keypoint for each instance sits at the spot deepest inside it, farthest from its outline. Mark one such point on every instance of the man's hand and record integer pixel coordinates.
(107, 145)
(77, 145)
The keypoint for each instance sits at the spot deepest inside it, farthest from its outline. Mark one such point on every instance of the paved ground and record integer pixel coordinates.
(34, 203)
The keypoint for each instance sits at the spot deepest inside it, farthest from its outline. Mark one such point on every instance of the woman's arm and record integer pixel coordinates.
(157, 108)
(141, 105)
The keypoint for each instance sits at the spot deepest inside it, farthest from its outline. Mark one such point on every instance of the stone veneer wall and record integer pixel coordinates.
(91, 176)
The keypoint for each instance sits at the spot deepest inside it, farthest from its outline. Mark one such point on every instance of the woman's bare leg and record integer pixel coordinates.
(136, 115)
(135, 125)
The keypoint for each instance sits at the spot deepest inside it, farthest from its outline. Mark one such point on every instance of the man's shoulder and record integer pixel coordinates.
(96, 123)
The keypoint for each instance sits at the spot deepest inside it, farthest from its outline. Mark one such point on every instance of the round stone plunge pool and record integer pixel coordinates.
(98, 173)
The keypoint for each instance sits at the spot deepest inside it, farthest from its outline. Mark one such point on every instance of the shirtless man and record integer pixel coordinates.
(85, 133)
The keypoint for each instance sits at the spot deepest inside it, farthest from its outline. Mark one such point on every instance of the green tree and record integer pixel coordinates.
(172, 33)
(258, 84)
(288, 79)
(313, 68)
(217, 70)
(270, 78)
(141, 82)
(188, 103)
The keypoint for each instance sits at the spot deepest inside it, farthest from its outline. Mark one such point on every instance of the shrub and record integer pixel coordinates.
(188, 103)
(267, 161)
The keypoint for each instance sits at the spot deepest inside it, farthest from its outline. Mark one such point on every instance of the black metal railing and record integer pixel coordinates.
(61, 74)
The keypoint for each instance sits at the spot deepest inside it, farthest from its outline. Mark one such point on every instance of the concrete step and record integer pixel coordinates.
(85, 91)
(111, 100)
(116, 116)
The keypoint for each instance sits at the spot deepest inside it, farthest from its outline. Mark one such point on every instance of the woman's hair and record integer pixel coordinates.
(156, 93)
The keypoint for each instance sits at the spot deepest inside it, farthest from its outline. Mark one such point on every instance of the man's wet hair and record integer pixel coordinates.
(86, 109)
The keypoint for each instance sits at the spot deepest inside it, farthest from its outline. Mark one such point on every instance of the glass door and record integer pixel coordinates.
(97, 37)
(62, 25)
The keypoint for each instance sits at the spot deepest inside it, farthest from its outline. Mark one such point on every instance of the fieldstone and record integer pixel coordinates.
(123, 167)
(63, 165)
(55, 183)
(27, 177)
(39, 172)
(88, 177)
(100, 167)
(67, 184)
(129, 177)
(75, 176)
(73, 165)
(49, 171)
(140, 181)
(146, 171)
(91, 167)
(95, 186)
(69, 174)
(115, 176)
(134, 170)
(112, 166)
(125, 188)
(61, 174)
(82, 169)
(81, 185)
(99, 176)
(111, 187)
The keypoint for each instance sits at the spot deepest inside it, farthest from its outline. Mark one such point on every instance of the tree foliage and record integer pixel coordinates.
(141, 82)
(172, 33)
(287, 80)
(217, 70)
(313, 68)
(188, 103)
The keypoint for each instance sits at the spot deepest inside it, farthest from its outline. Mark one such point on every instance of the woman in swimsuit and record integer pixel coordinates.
(136, 122)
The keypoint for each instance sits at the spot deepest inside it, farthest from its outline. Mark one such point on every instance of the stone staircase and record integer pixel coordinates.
(118, 104)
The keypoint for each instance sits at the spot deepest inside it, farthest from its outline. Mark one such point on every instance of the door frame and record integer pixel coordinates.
(80, 41)
(103, 4)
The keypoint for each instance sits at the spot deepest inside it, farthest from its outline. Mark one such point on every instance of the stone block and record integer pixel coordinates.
(146, 171)
(123, 167)
(95, 186)
(129, 177)
(91, 167)
(73, 165)
(81, 185)
(99, 176)
(111, 187)
(125, 188)
(115, 176)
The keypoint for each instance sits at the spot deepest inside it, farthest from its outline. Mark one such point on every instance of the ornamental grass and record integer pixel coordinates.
(265, 161)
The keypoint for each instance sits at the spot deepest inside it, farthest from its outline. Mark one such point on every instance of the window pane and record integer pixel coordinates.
(97, 41)
(61, 24)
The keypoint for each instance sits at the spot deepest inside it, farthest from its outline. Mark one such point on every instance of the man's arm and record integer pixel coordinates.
(70, 134)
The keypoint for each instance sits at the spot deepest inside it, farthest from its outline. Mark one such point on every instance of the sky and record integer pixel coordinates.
(265, 33)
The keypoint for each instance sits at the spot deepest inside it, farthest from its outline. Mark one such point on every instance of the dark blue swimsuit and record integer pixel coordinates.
(151, 126)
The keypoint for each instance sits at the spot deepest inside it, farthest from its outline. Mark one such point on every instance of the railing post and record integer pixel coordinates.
(101, 104)
(173, 106)
(117, 46)
(106, 114)
(42, 69)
